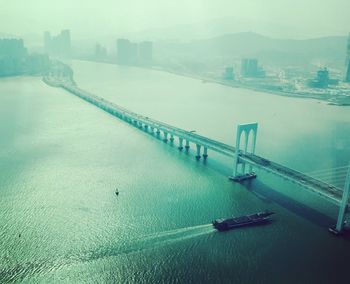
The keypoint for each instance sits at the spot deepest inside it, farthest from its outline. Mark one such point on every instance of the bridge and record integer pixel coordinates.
(241, 157)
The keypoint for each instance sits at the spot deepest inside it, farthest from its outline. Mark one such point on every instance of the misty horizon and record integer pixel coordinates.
(180, 20)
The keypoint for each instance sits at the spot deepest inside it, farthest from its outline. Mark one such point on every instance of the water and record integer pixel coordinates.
(61, 159)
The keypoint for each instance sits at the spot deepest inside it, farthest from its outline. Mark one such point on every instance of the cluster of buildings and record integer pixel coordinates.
(58, 45)
(15, 60)
(322, 80)
(134, 53)
(250, 68)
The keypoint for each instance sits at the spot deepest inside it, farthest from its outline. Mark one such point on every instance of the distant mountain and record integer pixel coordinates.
(227, 25)
(267, 50)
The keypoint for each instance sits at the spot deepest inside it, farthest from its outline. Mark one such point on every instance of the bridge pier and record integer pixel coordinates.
(205, 153)
(171, 137)
(158, 132)
(187, 146)
(198, 156)
(180, 143)
(246, 129)
(165, 139)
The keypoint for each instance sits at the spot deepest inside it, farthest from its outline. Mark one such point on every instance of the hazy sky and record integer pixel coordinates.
(282, 18)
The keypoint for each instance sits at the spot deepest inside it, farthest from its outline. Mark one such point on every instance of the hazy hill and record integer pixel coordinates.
(267, 50)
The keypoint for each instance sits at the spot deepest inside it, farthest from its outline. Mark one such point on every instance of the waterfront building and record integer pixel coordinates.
(37, 63)
(145, 52)
(100, 52)
(126, 51)
(347, 68)
(133, 53)
(15, 60)
(12, 57)
(59, 45)
(228, 74)
(12, 47)
(250, 68)
(322, 79)
(347, 74)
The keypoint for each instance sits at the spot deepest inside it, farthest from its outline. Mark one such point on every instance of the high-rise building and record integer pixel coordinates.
(59, 45)
(250, 68)
(228, 74)
(126, 51)
(347, 74)
(347, 70)
(65, 42)
(100, 52)
(132, 53)
(12, 48)
(145, 52)
(15, 60)
(322, 79)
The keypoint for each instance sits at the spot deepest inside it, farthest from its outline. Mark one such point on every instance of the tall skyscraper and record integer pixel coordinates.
(250, 68)
(64, 40)
(126, 51)
(59, 45)
(347, 70)
(145, 52)
(15, 60)
(228, 74)
(100, 52)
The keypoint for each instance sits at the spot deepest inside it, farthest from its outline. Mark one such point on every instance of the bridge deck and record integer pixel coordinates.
(328, 191)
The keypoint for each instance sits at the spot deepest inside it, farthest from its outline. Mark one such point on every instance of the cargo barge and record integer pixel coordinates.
(248, 220)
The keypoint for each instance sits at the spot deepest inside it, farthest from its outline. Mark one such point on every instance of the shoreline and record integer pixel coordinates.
(334, 100)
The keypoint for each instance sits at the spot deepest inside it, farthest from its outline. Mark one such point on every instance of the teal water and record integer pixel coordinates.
(61, 159)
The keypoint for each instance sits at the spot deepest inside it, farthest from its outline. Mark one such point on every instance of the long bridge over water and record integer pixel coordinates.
(241, 157)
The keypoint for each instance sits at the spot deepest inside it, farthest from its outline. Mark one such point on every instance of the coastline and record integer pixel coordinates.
(335, 100)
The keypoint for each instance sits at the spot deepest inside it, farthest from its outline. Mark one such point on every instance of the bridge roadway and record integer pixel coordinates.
(330, 192)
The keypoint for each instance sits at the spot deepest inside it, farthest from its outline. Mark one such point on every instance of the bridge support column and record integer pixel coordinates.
(205, 153)
(246, 129)
(165, 139)
(181, 143)
(158, 132)
(171, 138)
(198, 156)
(343, 206)
(146, 127)
(187, 146)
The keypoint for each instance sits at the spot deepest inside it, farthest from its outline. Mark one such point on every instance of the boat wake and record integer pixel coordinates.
(42, 266)
(150, 241)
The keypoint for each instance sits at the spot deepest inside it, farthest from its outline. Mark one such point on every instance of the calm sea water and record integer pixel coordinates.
(62, 158)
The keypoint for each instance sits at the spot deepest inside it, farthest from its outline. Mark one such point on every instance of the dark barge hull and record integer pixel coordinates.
(243, 221)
